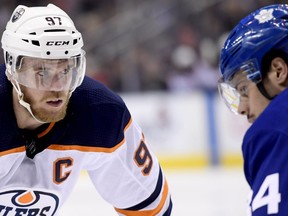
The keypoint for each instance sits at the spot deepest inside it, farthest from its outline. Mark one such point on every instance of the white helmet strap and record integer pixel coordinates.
(21, 100)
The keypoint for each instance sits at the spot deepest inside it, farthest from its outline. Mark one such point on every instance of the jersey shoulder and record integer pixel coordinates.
(8, 129)
(273, 118)
(95, 92)
(5, 85)
(98, 115)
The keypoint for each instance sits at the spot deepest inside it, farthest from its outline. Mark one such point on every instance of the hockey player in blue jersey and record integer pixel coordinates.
(254, 67)
(55, 122)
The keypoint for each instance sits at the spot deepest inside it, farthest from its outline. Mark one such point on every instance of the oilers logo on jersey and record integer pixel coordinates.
(23, 201)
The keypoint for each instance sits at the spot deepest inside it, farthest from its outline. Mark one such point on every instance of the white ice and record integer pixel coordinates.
(196, 192)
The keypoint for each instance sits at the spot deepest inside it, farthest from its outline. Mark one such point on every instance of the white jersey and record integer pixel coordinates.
(40, 168)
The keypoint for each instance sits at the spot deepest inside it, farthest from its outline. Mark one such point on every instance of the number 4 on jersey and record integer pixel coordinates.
(268, 194)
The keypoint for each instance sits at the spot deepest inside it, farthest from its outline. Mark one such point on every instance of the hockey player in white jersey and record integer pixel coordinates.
(55, 122)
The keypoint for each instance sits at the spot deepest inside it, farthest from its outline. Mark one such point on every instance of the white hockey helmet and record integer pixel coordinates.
(42, 33)
(45, 37)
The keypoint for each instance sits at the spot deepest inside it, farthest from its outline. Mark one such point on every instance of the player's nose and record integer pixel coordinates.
(58, 83)
(243, 107)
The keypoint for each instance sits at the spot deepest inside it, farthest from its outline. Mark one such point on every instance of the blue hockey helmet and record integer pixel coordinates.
(261, 31)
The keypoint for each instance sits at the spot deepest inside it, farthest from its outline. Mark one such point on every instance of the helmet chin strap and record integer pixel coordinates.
(22, 102)
(264, 92)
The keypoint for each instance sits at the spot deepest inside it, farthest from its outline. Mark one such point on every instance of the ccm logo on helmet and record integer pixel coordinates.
(57, 43)
(27, 202)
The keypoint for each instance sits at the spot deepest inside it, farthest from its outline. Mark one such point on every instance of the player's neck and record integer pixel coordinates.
(23, 117)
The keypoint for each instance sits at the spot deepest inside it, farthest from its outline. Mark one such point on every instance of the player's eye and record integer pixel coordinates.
(66, 71)
(42, 72)
(243, 90)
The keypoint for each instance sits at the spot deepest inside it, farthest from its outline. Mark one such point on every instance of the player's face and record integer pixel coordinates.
(47, 106)
(251, 101)
(45, 85)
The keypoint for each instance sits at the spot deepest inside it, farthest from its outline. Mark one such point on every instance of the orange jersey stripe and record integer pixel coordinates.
(90, 148)
(85, 148)
(51, 125)
(11, 151)
(70, 147)
(148, 212)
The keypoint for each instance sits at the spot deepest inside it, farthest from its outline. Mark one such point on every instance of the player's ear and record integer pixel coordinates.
(278, 72)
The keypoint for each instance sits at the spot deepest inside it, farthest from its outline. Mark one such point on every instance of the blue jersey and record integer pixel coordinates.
(40, 168)
(265, 152)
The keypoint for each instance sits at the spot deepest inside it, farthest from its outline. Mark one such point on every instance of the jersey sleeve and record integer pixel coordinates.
(130, 177)
(266, 170)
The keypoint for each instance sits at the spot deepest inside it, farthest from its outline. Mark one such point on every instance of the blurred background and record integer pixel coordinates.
(151, 45)
(161, 56)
